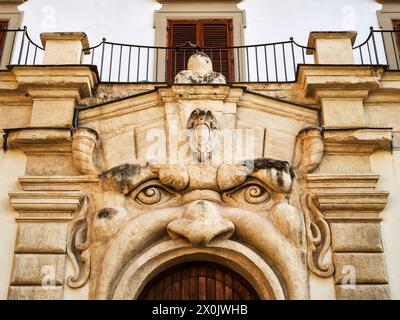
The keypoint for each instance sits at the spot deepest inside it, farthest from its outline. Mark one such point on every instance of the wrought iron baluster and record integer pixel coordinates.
(156, 78)
(369, 53)
(12, 51)
(374, 43)
(111, 62)
(248, 64)
(138, 65)
(293, 57)
(276, 65)
(266, 62)
(238, 62)
(91, 62)
(34, 56)
(120, 62)
(27, 52)
(102, 59)
(361, 55)
(284, 60)
(147, 64)
(220, 61)
(129, 62)
(258, 76)
(184, 58)
(395, 49)
(175, 53)
(384, 48)
(22, 46)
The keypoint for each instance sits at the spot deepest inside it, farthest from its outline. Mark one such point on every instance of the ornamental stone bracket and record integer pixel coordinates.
(40, 251)
(352, 206)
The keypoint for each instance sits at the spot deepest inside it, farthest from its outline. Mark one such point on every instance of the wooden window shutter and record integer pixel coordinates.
(217, 34)
(214, 34)
(3, 26)
(180, 33)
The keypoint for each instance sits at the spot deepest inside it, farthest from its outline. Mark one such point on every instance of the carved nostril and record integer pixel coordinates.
(201, 225)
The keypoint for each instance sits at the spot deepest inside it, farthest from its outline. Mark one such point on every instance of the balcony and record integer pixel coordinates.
(269, 62)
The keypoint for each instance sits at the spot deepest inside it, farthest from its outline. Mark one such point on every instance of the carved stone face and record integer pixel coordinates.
(255, 217)
(199, 206)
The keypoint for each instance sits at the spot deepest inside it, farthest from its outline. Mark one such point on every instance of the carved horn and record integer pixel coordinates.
(83, 144)
(309, 150)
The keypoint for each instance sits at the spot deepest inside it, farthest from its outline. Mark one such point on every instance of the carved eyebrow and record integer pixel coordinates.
(276, 174)
(267, 163)
(127, 176)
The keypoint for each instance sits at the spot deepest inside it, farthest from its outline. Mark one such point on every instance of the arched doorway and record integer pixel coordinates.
(198, 281)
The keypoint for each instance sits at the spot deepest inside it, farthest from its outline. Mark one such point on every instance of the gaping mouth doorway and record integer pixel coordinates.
(198, 281)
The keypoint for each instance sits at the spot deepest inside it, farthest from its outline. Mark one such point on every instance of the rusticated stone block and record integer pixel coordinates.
(41, 238)
(363, 292)
(35, 293)
(360, 268)
(356, 237)
(38, 269)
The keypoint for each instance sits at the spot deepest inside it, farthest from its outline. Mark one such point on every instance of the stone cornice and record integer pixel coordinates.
(356, 141)
(79, 77)
(338, 77)
(50, 206)
(40, 140)
(329, 182)
(352, 205)
(56, 183)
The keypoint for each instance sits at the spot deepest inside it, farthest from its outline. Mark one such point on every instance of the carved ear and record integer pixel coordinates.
(83, 145)
(309, 150)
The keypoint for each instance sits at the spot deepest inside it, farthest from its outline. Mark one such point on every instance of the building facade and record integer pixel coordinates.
(193, 150)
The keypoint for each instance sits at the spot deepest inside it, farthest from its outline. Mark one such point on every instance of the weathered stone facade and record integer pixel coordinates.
(274, 181)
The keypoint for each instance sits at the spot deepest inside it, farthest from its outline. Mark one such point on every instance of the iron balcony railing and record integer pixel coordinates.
(17, 48)
(270, 62)
(382, 47)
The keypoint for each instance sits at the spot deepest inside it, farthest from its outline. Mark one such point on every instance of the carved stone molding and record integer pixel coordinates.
(84, 142)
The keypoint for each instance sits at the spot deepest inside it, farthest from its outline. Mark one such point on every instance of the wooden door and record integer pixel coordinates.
(198, 281)
(210, 33)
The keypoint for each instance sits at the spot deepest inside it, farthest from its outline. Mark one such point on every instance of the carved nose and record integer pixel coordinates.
(201, 224)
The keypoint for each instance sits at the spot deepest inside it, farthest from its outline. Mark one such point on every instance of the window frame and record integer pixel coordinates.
(9, 12)
(195, 10)
(389, 13)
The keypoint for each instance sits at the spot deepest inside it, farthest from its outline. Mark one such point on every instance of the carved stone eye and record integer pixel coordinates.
(151, 194)
(250, 194)
(255, 194)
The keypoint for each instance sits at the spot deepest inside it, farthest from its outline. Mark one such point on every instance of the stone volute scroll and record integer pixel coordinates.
(84, 143)
(309, 151)
(78, 245)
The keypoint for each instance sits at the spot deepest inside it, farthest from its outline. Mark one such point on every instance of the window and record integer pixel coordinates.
(193, 12)
(3, 26)
(211, 33)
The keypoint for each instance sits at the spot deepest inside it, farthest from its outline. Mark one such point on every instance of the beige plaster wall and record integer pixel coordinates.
(12, 166)
(388, 166)
(321, 289)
